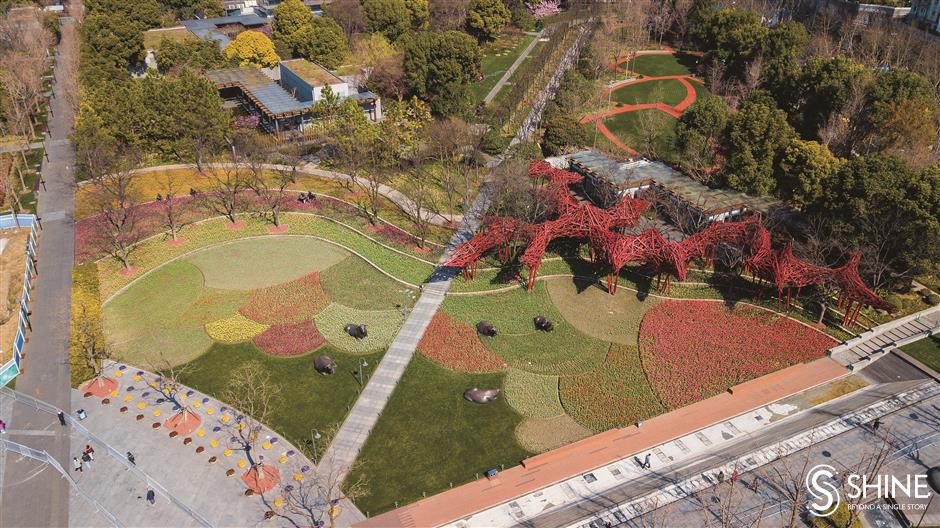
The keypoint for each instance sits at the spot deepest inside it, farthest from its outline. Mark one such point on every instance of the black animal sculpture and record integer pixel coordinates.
(324, 365)
(476, 395)
(543, 323)
(486, 328)
(357, 331)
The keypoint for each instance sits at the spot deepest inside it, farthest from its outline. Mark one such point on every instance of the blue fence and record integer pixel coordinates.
(11, 368)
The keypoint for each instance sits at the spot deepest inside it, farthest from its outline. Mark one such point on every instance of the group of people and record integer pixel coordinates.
(305, 197)
(88, 455)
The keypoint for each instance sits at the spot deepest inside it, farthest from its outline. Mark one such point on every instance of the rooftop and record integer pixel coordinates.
(207, 28)
(632, 174)
(312, 74)
(273, 100)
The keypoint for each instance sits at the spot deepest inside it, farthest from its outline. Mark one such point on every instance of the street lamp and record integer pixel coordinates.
(362, 363)
(933, 479)
(314, 436)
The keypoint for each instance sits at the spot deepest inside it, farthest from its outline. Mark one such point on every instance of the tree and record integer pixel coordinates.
(370, 51)
(270, 191)
(252, 48)
(451, 143)
(756, 136)
(225, 187)
(172, 54)
(116, 194)
(824, 85)
(110, 45)
(486, 18)
(292, 22)
(189, 9)
(322, 41)
(88, 339)
(388, 78)
(202, 120)
(252, 393)
(733, 36)
(449, 14)
(440, 67)
(423, 205)
(348, 14)
(395, 18)
(563, 131)
(174, 205)
(804, 171)
(901, 113)
(168, 386)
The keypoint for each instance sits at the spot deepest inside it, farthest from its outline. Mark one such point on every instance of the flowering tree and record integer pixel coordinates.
(544, 8)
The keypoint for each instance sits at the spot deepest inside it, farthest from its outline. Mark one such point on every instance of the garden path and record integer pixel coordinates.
(862, 350)
(512, 69)
(674, 111)
(34, 494)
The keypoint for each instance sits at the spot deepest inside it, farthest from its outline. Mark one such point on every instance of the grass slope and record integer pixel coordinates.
(497, 58)
(927, 351)
(661, 65)
(590, 309)
(354, 283)
(669, 91)
(628, 129)
(429, 436)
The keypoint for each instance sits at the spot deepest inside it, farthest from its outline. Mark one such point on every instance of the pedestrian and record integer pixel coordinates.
(734, 475)
(876, 424)
(76, 464)
(151, 496)
(646, 462)
(3, 427)
(754, 485)
(130, 458)
(90, 451)
(721, 477)
(86, 459)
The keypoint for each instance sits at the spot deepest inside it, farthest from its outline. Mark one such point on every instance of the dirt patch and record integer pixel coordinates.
(12, 269)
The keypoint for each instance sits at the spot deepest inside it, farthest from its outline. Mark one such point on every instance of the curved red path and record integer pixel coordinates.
(674, 111)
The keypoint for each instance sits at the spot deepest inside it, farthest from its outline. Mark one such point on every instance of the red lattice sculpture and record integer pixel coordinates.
(573, 219)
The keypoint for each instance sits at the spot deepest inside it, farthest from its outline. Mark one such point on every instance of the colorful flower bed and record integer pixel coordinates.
(382, 325)
(692, 350)
(532, 395)
(290, 339)
(291, 302)
(234, 329)
(614, 394)
(456, 346)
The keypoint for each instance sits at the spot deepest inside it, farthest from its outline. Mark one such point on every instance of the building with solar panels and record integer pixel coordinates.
(284, 105)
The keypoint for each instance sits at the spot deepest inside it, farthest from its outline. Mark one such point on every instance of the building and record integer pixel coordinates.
(605, 180)
(285, 105)
(864, 14)
(926, 14)
(223, 29)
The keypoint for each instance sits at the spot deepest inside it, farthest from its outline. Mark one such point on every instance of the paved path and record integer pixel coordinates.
(352, 435)
(33, 494)
(872, 344)
(17, 148)
(512, 69)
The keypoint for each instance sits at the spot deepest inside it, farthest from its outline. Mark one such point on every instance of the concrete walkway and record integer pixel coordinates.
(32, 493)
(859, 352)
(6, 149)
(512, 69)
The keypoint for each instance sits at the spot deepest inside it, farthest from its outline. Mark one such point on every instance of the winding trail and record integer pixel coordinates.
(672, 110)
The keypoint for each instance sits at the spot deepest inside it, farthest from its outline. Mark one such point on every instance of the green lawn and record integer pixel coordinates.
(628, 126)
(354, 283)
(927, 351)
(669, 91)
(662, 65)
(562, 351)
(497, 58)
(307, 400)
(429, 436)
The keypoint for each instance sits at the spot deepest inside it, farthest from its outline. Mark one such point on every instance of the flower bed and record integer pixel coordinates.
(234, 329)
(532, 395)
(614, 394)
(290, 339)
(692, 350)
(457, 347)
(382, 325)
(291, 302)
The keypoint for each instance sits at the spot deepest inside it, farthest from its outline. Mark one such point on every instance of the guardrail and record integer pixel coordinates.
(11, 368)
(107, 448)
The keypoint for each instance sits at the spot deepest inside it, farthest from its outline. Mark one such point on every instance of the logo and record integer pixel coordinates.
(819, 483)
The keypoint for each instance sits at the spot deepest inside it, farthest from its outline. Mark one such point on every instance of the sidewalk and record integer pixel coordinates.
(581, 457)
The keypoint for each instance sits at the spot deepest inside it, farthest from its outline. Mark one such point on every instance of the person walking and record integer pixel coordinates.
(76, 464)
(646, 462)
(721, 476)
(86, 459)
(130, 458)
(3, 427)
(151, 497)
(90, 451)
(734, 475)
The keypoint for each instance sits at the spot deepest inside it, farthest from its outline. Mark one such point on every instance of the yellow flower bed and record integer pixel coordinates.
(227, 452)
(214, 443)
(242, 463)
(141, 405)
(234, 329)
(278, 502)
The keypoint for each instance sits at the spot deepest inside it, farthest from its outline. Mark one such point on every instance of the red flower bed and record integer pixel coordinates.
(290, 339)
(287, 303)
(692, 350)
(457, 347)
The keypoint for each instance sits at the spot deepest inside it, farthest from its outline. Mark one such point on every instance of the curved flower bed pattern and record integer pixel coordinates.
(234, 329)
(290, 339)
(457, 347)
(692, 350)
(290, 302)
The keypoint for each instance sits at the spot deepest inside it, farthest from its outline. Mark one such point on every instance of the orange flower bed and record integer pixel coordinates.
(291, 302)
(290, 339)
(457, 347)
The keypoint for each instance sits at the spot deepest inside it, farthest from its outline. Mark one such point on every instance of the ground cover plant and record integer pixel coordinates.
(498, 56)
(927, 351)
(457, 346)
(532, 395)
(291, 339)
(382, 325)
(662, 64)
(354, 283)
(544, 434)
(729, 347)
(289, 302)
(668, 91)
(234, 329)
(430, 436)
(629, 128)
(587, 306)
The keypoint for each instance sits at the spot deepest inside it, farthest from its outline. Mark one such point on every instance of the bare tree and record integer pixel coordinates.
(315, 499)
(270, 191)
(251, 392)
(169, 387)
(225, 190)
(116, 196)
(372, 182)
(174, 205)
(423, 205)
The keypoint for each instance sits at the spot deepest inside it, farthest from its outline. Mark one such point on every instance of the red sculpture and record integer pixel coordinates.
(574, 219)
